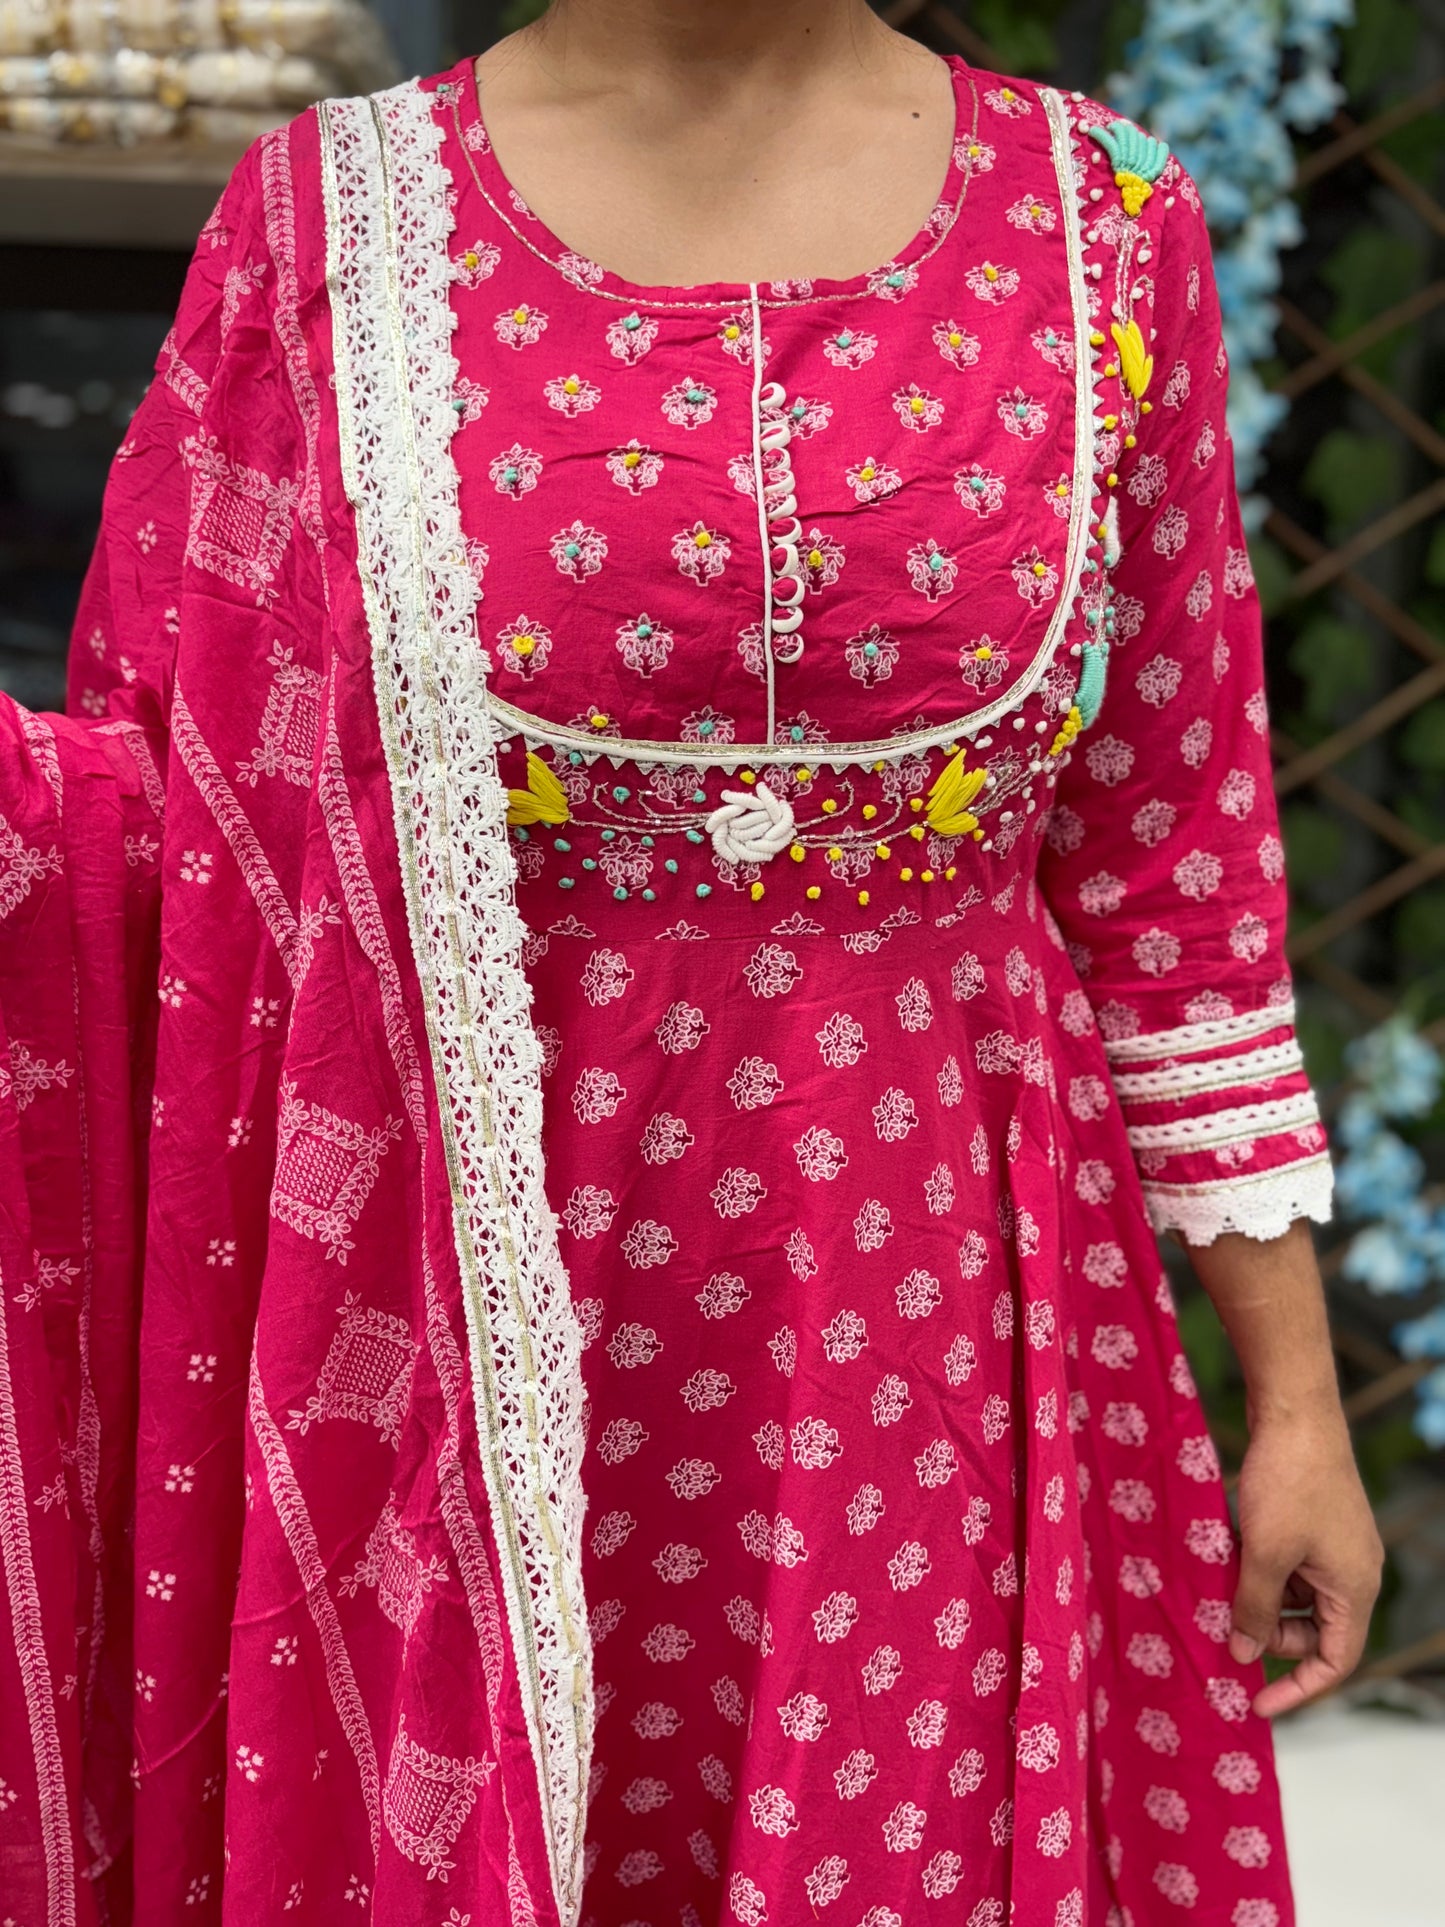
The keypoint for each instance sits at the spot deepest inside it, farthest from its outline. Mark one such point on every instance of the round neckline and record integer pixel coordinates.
(482, 172)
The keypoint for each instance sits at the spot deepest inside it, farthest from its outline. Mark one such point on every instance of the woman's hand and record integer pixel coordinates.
(1311, 1558)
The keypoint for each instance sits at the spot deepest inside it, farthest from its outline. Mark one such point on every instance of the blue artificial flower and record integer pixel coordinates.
(1422, 1337)
(1381, 1177)
(1385, 1262)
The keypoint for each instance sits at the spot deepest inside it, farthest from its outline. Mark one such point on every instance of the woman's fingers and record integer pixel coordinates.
(1257, 1600)
(1328, 1646)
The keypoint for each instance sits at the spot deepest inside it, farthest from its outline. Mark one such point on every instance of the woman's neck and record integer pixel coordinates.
(678, 143)
(697, 57)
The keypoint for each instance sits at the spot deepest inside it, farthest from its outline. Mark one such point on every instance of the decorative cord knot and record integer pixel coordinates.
(749, 826)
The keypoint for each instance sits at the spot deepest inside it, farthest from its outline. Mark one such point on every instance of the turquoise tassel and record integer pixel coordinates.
(1132, 150)
(1090, 693)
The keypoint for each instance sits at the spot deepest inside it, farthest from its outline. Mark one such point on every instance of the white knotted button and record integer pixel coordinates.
(749, 826)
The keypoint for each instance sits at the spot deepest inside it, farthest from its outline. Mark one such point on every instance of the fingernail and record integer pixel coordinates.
(1245, 1650)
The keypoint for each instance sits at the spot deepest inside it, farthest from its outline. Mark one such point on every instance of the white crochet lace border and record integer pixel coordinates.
(388, 273)
(1264, 1205)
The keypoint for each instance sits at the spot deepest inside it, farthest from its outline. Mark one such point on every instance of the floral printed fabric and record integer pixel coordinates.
(907, 1564)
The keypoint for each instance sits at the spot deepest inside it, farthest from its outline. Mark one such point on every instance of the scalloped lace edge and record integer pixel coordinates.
(1261, 1207)
(388, 220)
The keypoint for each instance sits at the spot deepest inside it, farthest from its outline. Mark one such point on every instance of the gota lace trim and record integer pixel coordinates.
(388, 219)
(1263, 1205)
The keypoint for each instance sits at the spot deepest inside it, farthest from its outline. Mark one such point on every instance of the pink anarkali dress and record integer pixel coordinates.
(649, 897)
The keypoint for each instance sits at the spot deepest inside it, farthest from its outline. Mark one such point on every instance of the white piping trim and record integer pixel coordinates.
(1188, 1039)
(771, 724)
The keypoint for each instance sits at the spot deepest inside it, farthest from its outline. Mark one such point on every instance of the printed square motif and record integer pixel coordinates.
(290, 723)
(366, 1374)
(426, 1800)
(325, 1168)
(240, 519)
(393, 1565)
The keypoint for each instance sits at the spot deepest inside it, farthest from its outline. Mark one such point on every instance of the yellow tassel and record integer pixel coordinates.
(953, 790)
(543, 800)
(1136, 364)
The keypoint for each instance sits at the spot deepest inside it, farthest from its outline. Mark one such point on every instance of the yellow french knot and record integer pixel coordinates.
(1072, 724)
(543, 800)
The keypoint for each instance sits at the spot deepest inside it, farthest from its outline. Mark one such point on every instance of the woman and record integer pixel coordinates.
(681, 994)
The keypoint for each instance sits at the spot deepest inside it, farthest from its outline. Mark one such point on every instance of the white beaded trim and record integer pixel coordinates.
(1263, 1205)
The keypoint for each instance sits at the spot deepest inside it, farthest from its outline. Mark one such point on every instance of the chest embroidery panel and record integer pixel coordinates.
(900, 642)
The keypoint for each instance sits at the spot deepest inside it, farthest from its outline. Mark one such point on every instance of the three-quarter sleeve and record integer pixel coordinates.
(1163, 864)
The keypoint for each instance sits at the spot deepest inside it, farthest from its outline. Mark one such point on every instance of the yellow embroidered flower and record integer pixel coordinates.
(953, 789)
(543, 800)
(1137, 365)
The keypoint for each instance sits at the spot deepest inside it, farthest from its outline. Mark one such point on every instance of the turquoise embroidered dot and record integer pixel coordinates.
(796, 732)
(566, 883)
(1051, 340)
(620, 892)
(977, 484)
(705, 728)
(1021, 409)
(695, 395)
(572, 551)
(935, 560)
(694, 836)
(644, 627)
(870, 650)
(649, 896)
(561, 843)
(799, 409)
(704, 889)
(699, 796)
(671, 866)
(896, 280)
(608, 835)
(845, 339)
(511, 475)
(574, 757)
(522, 833)
(632, 321)
(621, 792)
(647, 842)
(589, 863)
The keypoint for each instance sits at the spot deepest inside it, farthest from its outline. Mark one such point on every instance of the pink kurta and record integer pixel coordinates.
(856, 687)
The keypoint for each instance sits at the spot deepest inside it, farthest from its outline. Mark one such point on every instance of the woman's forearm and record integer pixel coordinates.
(1271, 1301)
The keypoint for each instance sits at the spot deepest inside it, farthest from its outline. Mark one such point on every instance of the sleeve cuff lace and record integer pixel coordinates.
(1224, 1126)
